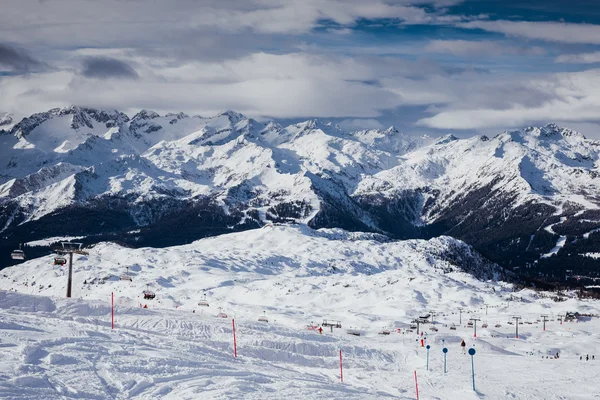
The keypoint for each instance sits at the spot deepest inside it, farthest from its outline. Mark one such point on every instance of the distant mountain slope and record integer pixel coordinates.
(524, 198)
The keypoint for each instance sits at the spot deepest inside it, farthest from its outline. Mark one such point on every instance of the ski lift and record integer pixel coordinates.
(203, 302)
(498, 326)
(384, 331)
(353, 331)
(126, 277)
(470, 323)
(18, 254)
(60, 260)
(434, 329)
(263, 318)
(148, 294)
(221, 315)
(484, 325)
(453, 327)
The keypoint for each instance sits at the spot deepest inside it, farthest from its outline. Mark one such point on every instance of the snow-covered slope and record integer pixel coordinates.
(229, 172)
(175, 348)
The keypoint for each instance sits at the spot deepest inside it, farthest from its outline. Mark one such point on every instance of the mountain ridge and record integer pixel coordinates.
(230, 172)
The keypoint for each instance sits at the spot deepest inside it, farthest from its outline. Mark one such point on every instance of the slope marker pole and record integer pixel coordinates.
(417, 385)
(234, 338)
(112, 310)
(341, 369)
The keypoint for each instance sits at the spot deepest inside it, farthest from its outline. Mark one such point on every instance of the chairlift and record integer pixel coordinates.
(498, 326)
(221, 315)
(263, 318)
(203, 302)
(353, 331)
(125, 278)
(18, 254)
(384, 332)
(484, 325)
(60, 260)
(148, 294)
(452, 327)
(434, 329)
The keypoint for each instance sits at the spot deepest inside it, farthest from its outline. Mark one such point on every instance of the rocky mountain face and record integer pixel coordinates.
(528, 200)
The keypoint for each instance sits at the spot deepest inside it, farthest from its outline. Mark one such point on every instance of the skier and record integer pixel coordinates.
(463, 346)
(587, 357)
(320, 331)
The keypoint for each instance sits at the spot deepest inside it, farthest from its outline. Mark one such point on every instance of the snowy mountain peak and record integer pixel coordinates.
(145, 115)
(234, 117)
(6, 119)
(446, 139)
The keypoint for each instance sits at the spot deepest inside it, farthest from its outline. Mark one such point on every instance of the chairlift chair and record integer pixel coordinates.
(221, 315)
(125, 278)
(60, 260)
(453, 327)
(149, 294)
(17, 255)
(484, 325)
(203, 302)
(263, 318)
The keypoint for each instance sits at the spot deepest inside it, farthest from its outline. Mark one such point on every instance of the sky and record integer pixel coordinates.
(424, 66)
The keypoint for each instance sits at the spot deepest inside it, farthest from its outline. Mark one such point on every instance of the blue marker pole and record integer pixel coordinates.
(445, 350)
(472, 353)
(428, 347)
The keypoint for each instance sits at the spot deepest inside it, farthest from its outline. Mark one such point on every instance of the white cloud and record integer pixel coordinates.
(357, 124)
(542, 30)
(583, 58)
(478, 48)
(572, 97)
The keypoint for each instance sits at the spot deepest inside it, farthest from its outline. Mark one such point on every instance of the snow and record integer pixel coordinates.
(51, 240)
(560, 243)
(53, 347)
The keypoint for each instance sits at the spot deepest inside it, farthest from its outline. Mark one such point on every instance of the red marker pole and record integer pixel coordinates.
(417, 385)
(234, 339)
(112, 309)
(341, 370)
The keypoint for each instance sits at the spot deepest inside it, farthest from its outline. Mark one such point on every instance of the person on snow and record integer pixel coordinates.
(320, 331)
(463, 347)
(587, 357)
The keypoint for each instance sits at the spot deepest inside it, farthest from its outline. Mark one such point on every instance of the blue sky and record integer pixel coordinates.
(425, 66)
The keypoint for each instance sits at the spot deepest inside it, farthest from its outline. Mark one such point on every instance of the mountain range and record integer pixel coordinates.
(528, 200)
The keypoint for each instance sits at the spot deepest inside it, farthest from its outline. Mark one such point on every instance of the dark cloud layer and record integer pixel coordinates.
(106, 68)
(17, 60)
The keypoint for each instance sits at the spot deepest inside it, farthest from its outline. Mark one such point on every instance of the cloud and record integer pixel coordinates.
(478, 48)
(106, 67)
(356, 124)
(17, 60)
(543, 30)
(583, 58)
(571, 97)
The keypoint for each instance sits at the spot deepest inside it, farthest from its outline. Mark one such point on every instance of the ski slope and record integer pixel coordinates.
(56, 348)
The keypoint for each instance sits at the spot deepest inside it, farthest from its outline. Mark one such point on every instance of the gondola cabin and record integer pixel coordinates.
(60, 260)
(17, 255)
(149, 295)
